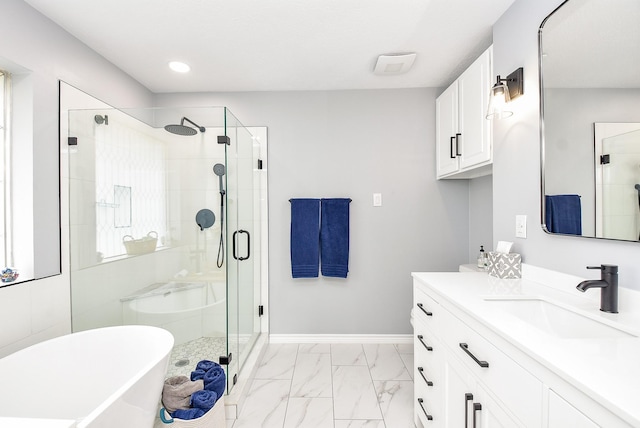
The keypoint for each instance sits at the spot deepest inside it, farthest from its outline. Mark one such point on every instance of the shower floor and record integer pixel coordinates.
(203, 348)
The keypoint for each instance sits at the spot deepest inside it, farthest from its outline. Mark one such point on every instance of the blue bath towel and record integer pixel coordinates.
(305, 238)
(563, 214)
(188, 414)
(334, 237)
(206, 365)
(215, 380)
(203, 400)
(197, 374)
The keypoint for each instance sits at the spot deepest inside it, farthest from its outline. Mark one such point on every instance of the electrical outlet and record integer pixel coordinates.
(521, 226)
(377, 199)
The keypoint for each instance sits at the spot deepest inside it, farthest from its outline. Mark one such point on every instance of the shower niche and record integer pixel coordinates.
(164, 206)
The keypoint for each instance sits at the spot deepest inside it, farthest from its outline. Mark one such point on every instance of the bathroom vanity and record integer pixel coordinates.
(530, 352)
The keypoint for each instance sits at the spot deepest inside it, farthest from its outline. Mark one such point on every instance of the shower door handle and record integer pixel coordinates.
(235, 255)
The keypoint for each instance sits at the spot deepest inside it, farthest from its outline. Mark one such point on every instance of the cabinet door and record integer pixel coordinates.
(562, 414)
(489, 414)
(466, 402)
(458, 394)
(446, 129)
(473, 97)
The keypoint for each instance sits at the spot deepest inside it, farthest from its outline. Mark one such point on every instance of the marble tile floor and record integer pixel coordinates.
(331, 385)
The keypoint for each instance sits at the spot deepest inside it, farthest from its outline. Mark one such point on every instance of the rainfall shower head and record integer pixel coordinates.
(183, 129)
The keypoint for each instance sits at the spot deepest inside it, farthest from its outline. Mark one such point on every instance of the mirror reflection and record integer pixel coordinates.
(590, 102)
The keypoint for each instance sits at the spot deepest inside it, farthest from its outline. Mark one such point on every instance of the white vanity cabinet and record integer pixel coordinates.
(463, 368)
(467, 373)
(562, 414)
(463, 135)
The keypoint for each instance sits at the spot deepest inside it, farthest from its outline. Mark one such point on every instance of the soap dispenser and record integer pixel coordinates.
(482, 258)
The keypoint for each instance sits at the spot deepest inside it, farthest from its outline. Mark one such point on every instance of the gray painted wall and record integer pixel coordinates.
(516, 169)
(352, 144)
(480, 216)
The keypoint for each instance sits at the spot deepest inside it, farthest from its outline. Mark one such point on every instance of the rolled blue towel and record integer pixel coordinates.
(198, 374)
(206, 365)
(203, 400)
(215, 380)
(193, 413)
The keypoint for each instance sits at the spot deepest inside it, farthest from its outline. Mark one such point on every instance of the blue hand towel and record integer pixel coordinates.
(197, 374)
(188, 414)
(203, 399)
(563, 214)
(206, 365)
(305, 238)
(334, 237)
(215, 380)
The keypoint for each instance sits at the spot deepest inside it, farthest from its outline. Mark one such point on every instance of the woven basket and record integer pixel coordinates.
(144, 245)
(214, 418)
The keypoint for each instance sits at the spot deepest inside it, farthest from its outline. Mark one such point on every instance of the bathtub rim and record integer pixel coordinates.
(129, 302)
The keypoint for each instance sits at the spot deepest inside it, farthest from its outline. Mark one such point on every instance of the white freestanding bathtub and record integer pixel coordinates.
(188, 310)
(108, 377)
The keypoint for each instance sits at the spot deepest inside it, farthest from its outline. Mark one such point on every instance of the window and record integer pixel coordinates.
(5, 237)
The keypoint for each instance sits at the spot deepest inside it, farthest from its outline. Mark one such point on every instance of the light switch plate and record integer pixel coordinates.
(377, 199)
(521, 226)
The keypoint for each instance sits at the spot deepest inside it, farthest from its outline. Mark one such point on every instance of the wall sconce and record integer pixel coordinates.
(503, 92)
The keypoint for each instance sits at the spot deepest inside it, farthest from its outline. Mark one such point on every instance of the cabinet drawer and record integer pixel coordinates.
(516, 388)
(424, 346)
(428, 376)
(425, 309)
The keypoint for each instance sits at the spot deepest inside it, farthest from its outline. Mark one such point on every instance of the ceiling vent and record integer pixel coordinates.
(394, 63)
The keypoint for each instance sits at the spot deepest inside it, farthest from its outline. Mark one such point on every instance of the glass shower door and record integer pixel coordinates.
(243, 239)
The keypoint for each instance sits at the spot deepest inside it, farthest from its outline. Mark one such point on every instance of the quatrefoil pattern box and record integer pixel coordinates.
(505, 266)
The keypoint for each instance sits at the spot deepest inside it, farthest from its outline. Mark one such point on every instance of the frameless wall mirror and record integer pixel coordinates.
(589, 53)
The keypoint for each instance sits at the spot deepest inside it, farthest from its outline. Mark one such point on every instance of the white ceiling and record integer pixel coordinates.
(275, 45)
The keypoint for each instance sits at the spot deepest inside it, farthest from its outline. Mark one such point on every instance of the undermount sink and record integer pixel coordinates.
(556, 320)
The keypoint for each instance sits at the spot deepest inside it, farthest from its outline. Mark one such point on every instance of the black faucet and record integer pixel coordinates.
(608, 284)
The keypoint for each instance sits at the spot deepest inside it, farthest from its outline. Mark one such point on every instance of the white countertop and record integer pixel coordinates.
(606, 369)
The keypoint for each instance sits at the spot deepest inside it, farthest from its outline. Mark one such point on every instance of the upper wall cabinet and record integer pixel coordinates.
(463, 135)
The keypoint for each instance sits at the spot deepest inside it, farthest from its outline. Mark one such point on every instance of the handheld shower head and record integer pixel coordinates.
(219, 170)
(183, 129)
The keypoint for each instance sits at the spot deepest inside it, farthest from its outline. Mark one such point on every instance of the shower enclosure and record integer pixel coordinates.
(166, 228)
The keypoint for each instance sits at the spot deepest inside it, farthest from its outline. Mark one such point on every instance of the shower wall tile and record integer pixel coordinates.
(16, 322)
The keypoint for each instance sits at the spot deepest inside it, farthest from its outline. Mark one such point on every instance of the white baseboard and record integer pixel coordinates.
(400, 339)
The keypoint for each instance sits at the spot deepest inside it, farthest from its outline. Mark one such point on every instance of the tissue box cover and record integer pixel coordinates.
(505, 266)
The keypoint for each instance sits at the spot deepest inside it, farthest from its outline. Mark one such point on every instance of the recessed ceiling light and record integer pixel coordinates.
(394, 63)
(179, 67)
